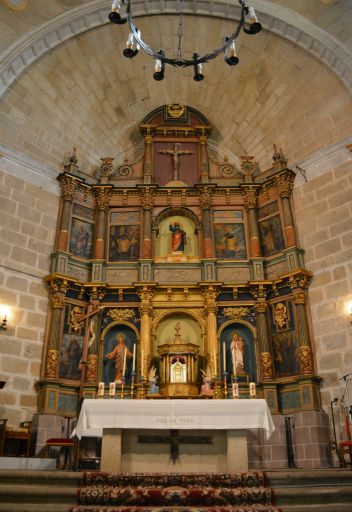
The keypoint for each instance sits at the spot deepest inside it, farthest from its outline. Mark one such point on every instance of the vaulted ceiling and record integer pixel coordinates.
(64, 80)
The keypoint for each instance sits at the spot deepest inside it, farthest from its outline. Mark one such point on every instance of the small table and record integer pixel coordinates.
(109, 418)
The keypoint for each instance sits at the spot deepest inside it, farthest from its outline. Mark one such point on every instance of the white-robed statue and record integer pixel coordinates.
(236, 347)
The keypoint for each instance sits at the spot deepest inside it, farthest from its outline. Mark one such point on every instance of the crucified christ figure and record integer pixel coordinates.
(175, 154)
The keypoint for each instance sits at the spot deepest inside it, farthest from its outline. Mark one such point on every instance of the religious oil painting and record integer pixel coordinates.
(230, 242)
(81, 238)
(268, 210)
(118, 340)
(271, 236)
(70, 357)
(83, 212)
(286, 356)
(124, 243)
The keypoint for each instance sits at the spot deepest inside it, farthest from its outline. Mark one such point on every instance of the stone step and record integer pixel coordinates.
(24, 493)
(323, 507)
(307, 495)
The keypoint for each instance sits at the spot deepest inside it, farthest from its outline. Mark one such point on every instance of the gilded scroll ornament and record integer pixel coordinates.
(248, 166)
(121, 314)
(76, 319)
(176, 110)
(280, 316)
(52, 364)
(227, 170)
(92, 368)
(125, 170)
(106, 167)
(267, 365)
(305, 359)
(236, 312)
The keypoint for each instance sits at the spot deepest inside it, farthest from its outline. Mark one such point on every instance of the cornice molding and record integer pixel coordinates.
(274, 18)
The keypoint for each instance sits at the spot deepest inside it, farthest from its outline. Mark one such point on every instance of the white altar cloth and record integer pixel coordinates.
(97, 415)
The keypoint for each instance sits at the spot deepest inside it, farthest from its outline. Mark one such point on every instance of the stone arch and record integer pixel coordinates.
(181, 212)
(274, 18)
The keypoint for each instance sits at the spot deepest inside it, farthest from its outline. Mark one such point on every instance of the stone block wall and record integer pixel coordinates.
(28, 216)
(324, 221)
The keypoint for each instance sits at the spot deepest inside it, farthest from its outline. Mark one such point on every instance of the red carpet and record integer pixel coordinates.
(208, 492)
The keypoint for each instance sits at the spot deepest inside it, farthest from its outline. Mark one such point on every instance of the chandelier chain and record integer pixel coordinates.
(180, 30)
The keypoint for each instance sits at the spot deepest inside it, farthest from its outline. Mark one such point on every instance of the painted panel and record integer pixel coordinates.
(124, 243)
(271, 236)
(268, 209)
(67, 403)
(81, 238)
(82, 211)
(70, 357)
(230, 241)
(124, 217)
(228, 215)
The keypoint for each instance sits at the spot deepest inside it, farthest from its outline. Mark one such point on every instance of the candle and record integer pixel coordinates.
(235, 390)
(224, 355)
(112, 389)
(252, 391)
(142, 363)
(101, 389)
(124, 362)
(134, 358)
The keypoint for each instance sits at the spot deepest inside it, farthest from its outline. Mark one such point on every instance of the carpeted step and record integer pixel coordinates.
(209, 508)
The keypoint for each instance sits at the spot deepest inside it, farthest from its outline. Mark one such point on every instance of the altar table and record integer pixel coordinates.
(108, 418)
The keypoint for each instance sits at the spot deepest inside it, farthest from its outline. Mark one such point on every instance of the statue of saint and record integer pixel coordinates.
(178, 237)
(119, 355)
(237, 347)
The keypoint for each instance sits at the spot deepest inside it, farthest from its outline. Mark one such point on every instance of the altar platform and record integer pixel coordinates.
(213, 438)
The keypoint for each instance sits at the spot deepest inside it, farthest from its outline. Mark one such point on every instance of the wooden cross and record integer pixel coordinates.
(174, 439)
(175, 154)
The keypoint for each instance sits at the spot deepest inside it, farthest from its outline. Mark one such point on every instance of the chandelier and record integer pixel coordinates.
(248, 23)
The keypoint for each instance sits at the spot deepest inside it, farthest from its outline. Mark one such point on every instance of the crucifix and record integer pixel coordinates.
(174, 439)
(176, 152)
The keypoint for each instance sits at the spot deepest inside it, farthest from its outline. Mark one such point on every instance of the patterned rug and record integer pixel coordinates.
(182, 492)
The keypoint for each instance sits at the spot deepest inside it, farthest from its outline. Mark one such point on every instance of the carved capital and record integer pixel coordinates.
(147, 197)
(146, 309)
(250, 196)
(69, 187)
(267, 365)
(210, 309)
(300, 298)
(261, 307)
(298, 280)
(203, 139)
(206, 198)
(305, 359)
(102, 197)
(57, 301)
(284, 183)
(148, 139)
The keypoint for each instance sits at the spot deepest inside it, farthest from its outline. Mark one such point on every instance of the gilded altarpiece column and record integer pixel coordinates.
(147, 199)
(148, 156)
(305, 351)
(57, 302)
(205, 200)
(210, 310)
(250, 193)
(102, 197)
(93, 346)
(204, 164)
(146, 312)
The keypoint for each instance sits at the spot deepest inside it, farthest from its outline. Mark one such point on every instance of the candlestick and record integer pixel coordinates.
(235, 390)
(142, 364)
(134, 358)
(132, 385)
(252, 390)
(122, 387)
(224, 355)
(124, 362)
(101, 389)
(225, 384)
(112, 389)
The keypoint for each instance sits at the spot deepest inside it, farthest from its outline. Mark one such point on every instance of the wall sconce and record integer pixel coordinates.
(4, 316)
(348, 309)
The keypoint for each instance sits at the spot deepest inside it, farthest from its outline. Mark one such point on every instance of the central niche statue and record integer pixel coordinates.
(178, 237)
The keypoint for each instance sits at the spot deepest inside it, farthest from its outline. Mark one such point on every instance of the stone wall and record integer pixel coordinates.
(324, 221)
(28, 216)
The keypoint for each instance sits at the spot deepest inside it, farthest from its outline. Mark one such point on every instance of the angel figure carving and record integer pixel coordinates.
(206, 386)
(152, 379)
